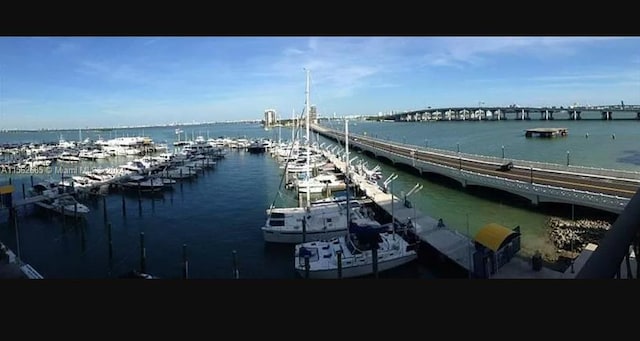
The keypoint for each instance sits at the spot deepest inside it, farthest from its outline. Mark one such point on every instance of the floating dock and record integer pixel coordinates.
(546, 132)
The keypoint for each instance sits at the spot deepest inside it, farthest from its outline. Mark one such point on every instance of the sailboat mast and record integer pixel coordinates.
(346, 178)
(306, 113)
(293, 126)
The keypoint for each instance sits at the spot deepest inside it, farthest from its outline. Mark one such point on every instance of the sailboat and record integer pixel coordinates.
(312, 222)
(365, 242)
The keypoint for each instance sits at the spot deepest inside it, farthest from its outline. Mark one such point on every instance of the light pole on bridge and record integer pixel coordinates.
(531, 172)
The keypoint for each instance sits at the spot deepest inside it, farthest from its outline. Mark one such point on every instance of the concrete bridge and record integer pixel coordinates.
(517, 113)
(604, 189)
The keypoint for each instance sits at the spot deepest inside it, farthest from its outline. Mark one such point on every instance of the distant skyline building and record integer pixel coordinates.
(269, 117)
(313, 114)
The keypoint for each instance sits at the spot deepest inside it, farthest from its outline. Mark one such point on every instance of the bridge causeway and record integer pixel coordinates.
(607, 113)
(604, 189)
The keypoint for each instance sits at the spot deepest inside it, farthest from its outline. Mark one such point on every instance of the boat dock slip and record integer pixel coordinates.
(450, 243)
(546, 132)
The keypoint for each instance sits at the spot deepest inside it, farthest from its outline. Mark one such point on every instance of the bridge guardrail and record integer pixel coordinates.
(585, 198)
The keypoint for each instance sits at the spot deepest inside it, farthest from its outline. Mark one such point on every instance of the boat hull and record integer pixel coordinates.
(359, 270)
(295, 237)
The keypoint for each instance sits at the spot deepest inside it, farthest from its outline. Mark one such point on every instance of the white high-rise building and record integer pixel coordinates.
(269, 117)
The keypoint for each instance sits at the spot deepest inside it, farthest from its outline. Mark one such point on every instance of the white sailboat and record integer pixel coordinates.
(312, 222)
(320, 221)
(319, 259)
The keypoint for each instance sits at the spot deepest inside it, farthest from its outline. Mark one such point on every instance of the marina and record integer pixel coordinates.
(454, 240)
(416, 157)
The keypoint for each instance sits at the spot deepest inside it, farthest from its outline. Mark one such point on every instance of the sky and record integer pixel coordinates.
(79, 82)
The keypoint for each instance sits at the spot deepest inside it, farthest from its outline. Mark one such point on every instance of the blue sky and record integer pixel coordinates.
(72, 82)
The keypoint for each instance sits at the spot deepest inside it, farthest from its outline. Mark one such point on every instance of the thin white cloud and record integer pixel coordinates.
(340, 66)
(464, 51)
(113, 72)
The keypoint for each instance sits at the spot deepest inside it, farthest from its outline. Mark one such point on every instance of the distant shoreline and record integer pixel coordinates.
(176, 125)
(126, 127)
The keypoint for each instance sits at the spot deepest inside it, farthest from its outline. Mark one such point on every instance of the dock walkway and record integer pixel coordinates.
(456, 246)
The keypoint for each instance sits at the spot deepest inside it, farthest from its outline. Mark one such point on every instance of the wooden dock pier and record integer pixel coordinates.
(456, 246)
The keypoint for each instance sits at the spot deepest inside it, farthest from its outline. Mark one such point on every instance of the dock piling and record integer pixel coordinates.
(110, 241)
(32, 181)
(143, 254)
(124, 207)
(374, 256)
(24, 193)
(185, 262)
(304, 229)
(339, 254)
(104, 207)
(236, 272)
(75, 212)
(307, 266)
(15, 225)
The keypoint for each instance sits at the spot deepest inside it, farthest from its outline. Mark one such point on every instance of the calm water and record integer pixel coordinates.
(224, 209)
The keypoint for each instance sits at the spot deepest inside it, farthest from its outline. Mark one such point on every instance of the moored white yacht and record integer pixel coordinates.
(356, 247)
(321, 222)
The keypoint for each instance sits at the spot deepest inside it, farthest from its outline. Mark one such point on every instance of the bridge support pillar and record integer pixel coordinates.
(608, 115)
(535, 200)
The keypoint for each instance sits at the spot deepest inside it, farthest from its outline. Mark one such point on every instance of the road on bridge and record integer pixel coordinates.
(583, 182)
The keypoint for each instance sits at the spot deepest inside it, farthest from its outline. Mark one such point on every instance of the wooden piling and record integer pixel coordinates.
(75, 212)
(185, 262)
(104, 208)
(110, 241)
(236, 272)
(124, 206)
(32, 181)
(339, 254)
(143, 254)
(24, 193)
(15, 226)
(304, 229)
(374, 256)
(63, 216)
(307, 266)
